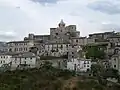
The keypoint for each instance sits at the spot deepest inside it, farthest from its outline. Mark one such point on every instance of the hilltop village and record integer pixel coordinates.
(64, 48)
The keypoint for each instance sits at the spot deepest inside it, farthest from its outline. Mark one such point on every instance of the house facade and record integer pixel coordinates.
(56, 49)
(82, 40)
(19, 46)
(79, 65)
(24, 60)
(104, 35)
(5, 59)
(115, 62)
(43, 38)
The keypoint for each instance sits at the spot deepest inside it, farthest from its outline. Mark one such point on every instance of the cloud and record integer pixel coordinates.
(6, 36)
(106, 6)
(110, 27)
(37, 18)
(45, 1)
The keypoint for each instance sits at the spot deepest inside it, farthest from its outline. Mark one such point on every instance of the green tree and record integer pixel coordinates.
(112, 73)
(47, 65)
(96, 69)
(95, 52)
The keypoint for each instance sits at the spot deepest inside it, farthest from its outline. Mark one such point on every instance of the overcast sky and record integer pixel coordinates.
(20, 17)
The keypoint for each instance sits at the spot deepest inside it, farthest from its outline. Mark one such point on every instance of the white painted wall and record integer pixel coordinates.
(81, 65)
(30, 61)
(5, 59)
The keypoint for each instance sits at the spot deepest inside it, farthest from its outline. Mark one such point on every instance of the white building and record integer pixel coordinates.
(56, 49)
(5, 59)
(115, 62)
(80, 65)
(26, 59)
(20, 46)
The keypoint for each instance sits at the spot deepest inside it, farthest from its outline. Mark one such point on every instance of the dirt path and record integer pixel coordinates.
(70, 83)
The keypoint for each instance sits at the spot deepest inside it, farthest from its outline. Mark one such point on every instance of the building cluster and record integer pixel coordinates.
(63, 41)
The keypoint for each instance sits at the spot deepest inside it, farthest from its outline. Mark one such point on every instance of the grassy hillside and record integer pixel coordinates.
(48, 78)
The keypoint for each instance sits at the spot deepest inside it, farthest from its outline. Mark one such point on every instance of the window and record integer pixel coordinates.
(75, 67)
(114, 66)
(56, 33)
(1, 62)
(15, 49)
(88, 62)
(88, 69)
(4, 56)
(1, 56)
(66, 45)
(72, 52)
(30, 58)
(84, 62)
(25, 62)
(87, 65)
(67, 53)
(61, 46)
(25, 58)
(76, 40)
(72, 46)
(15, 60)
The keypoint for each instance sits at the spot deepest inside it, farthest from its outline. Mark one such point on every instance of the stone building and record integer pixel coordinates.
(3, 47)
(5, 59)
(114, 41)
(24, 60)
(20, 46)
(62, 33)
(25, 46)
(54, 49)
(73, 51)
(79, 65)
(82, 40)
(115, 62)
(42, 38)
(60, 42)
(104, 35)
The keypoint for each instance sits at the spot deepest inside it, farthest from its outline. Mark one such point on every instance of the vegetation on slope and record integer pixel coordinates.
(49, 78)
(95, 51)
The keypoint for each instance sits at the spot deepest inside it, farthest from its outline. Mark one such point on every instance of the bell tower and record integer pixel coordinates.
(61, 24)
